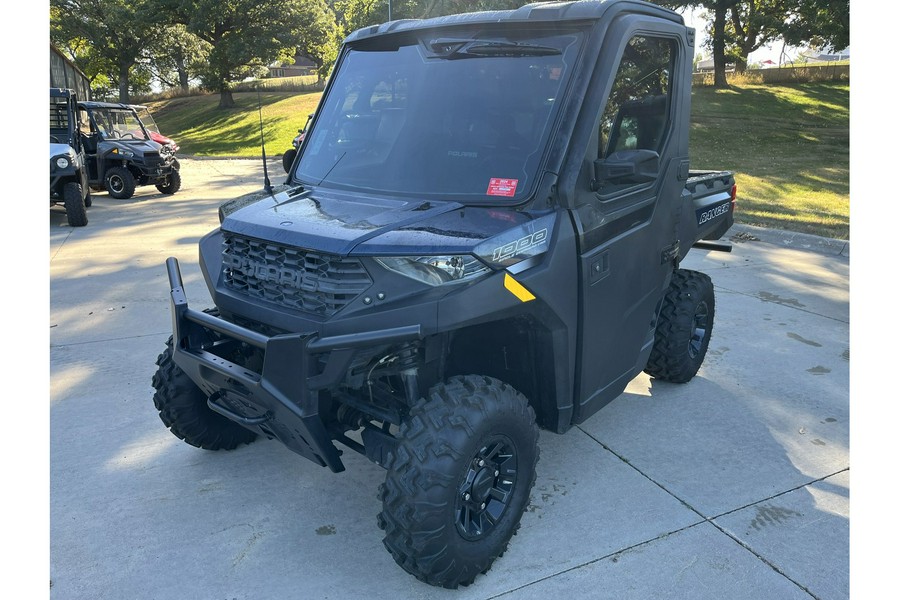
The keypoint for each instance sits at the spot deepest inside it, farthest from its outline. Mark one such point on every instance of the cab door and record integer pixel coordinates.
(627, 208)
(89, 140)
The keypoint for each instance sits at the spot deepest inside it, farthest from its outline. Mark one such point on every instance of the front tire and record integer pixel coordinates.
(684, 327)
(459, 480)
(119, 182)
(76, 211)
(171, 184)
(183, 409)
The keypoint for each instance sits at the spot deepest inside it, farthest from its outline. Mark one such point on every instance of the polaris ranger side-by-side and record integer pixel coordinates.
(121, 153)
(68, 168)
(480, 237)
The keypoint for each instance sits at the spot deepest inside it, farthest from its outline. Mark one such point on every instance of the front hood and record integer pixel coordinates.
(60, 150)
(342, 224)
(137, 147)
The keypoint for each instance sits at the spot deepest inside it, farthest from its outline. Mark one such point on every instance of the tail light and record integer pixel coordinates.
(733, 196)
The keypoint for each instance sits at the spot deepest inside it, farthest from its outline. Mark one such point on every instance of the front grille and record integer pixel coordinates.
(152, 159)
(300, 279)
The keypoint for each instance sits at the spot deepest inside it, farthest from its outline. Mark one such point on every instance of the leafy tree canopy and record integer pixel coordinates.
(738, 27)
(819, 23)
(105, 36)
(244, 36)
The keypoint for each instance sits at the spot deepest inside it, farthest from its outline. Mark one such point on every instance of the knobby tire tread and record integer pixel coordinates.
(183, 409)
(417, 495)
(669, 359)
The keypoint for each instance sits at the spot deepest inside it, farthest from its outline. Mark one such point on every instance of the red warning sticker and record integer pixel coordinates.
(502, 187)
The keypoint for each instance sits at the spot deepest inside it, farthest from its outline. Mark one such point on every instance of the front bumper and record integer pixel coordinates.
(281, 401)
(156, 171)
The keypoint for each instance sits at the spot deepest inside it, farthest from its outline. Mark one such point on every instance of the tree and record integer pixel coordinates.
(115, 30)
(719, 11)
(356, 14)
(738, 27)
(321, 36)
(244, 36)
(752, 25)
(820, 23)
(176, 57)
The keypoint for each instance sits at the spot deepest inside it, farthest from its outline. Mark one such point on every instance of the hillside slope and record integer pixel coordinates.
(788, 145)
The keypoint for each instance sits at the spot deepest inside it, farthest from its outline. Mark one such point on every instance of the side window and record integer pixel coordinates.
(637, 112)
(84, 123)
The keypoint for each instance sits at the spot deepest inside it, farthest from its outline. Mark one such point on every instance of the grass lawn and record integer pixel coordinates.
(789, 145)
(201, 129)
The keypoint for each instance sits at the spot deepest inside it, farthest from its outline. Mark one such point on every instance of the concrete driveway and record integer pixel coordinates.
(735, 485)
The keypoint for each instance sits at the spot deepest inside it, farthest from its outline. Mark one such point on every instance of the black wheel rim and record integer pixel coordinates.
(116, 183)
(487, 488)
(701, 326)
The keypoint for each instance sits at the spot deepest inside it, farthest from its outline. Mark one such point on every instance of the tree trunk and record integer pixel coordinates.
(745, 36)
(183, 81)
(226, 100)
(719, 45)
(319, 77)
(124, 96)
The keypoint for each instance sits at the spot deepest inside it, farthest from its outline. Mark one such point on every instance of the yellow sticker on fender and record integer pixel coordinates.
(517, 289)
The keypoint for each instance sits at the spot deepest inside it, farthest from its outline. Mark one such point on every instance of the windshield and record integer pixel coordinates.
(147, 119)
(463, 118)
(118, 124)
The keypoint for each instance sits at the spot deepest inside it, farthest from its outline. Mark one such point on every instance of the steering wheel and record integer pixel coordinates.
(54, 139)
(129, 134)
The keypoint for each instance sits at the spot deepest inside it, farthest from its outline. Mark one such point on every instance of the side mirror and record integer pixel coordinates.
(626, 166)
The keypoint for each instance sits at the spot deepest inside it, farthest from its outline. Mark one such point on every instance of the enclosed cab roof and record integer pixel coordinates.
(544, 12)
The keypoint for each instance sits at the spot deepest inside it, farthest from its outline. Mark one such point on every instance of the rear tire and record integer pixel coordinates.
(172, 183)
(684, 327)
(119, 182)
(183, 409)
(459, 480)
(76, 211)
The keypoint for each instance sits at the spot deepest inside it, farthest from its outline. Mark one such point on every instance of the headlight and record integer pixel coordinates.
(62, 162)
(436, 270)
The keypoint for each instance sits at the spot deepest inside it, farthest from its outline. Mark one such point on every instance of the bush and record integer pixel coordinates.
(791, 74)
(301, 83)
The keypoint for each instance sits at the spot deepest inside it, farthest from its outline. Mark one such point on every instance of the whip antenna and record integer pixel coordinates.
(267, 184)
